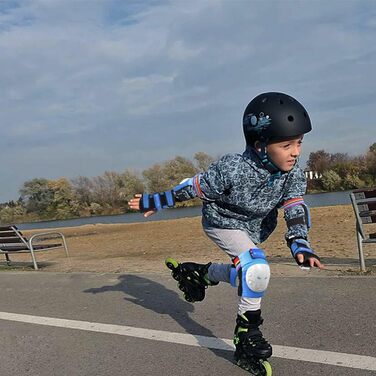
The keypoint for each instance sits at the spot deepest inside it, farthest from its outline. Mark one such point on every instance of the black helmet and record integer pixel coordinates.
(274, 115)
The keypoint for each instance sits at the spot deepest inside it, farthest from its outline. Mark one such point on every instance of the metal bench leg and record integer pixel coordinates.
(360, 250)
(8, 259)
(65, 245)
(33, 257)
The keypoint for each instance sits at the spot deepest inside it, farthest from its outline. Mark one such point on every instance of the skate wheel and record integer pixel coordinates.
(171, 263)
(188, 299)
(176, 275)
(267, 367)
(256, 367)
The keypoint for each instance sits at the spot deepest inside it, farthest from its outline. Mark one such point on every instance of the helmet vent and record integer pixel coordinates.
(280, 101)
(304, 114)
(290, 118)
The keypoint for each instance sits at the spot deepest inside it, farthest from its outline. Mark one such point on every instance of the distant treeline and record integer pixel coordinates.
(44, 199)
(340, 171)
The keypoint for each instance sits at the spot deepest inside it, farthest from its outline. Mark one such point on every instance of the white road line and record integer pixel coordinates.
(286, 352)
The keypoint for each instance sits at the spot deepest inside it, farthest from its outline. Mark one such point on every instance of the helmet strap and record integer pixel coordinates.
(267, 163)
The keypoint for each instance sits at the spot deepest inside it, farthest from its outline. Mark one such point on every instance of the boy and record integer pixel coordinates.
(241, 194)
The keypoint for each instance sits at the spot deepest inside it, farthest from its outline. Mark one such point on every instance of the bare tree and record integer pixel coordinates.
(203, 160)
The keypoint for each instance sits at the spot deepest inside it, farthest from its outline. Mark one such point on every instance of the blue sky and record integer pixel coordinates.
(90, 86)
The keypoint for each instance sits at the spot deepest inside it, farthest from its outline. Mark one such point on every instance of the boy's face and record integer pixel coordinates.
(284, 153)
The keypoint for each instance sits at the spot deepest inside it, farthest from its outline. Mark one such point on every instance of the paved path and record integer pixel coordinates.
(114, 324)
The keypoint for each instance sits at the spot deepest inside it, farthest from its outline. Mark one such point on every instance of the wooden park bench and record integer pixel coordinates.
(12, 241)
(364, 205)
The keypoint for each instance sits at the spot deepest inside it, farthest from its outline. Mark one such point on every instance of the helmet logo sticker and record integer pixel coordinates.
(259, 123)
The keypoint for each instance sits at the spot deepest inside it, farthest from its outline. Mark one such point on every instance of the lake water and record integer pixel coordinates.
(313, 200)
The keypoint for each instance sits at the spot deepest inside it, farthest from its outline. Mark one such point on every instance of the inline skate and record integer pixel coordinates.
(192, 278)
(252, 349)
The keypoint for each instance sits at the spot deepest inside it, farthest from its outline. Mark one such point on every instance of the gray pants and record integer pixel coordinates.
(233, 242)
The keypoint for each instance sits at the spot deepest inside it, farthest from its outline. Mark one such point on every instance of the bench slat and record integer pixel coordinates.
(361, 194)
(366, 201)
(15, 248)
(4, 228)
(369, 219)
(366, 206)
(11, 240)
(6, 234)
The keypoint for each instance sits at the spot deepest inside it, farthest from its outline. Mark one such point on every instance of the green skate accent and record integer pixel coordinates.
(268, 368)
(242, 330)
(236, 337)
(256, 367)
(208, 281)
(171, 263)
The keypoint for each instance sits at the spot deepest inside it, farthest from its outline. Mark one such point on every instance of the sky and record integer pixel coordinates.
(93, 86)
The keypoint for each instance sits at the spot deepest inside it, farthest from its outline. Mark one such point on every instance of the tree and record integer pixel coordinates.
(370, 162)
(162, 177)
(319, 161)
(155, 181)
(105, 189)
(12, 214)
(331, 181)
(83, 189)
(63, 204)
(203, 160)
(36, 195)
(178, 169)
(129, 184)
(352, 181)
(339, 158)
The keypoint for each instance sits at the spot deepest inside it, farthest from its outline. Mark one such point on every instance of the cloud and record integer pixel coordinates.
(89, 86)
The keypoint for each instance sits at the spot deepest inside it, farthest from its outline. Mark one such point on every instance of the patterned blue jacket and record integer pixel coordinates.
(239, 193)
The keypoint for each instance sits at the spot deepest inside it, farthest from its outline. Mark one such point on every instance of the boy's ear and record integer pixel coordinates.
(257, 146)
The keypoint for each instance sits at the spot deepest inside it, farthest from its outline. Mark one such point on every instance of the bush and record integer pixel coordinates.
(352, 182)
(331, 181)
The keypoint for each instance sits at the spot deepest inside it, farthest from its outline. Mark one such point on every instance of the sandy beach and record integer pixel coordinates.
(142, 247)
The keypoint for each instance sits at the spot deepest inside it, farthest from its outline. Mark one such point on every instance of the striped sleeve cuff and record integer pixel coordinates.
(293, 202)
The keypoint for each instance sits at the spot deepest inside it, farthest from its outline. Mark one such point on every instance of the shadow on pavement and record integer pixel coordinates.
(156, 297)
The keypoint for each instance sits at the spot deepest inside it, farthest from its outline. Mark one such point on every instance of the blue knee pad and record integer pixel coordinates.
(253, 273)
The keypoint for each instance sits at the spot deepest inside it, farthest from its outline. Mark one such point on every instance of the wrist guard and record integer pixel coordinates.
(157, 201)
(303, 219)
(302, 246)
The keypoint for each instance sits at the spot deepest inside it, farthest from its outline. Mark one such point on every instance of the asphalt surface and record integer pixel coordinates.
(329, 314)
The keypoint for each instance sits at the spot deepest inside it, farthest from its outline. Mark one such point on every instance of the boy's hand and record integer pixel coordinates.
(310, 263)
(304, 256)
(134, 204)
